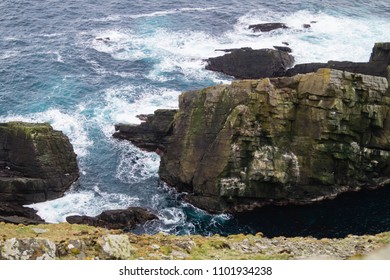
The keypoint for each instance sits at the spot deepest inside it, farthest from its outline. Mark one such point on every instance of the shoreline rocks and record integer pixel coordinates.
(246, 63)
(288, 140)
(115, 219)
(37, 163)
(150, 135)
(267, 27)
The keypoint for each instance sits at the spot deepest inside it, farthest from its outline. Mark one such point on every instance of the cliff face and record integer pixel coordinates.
(278, 141)
(37, 163)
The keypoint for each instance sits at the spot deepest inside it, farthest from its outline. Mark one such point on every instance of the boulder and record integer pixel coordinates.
(287, 140)
(247, 63)
(115, 219)
(267, 27)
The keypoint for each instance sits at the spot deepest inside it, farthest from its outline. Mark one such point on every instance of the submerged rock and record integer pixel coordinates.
(115, 219)
(289, 140)
(37, 164)
(247, 63)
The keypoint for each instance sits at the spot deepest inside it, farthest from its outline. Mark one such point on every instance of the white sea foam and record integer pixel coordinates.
(90, 203)
(172, 11)
(172, 216)
(171, 52)
(328, 38)
(135, 165)
(181, 54)
(123, 104)
(6, 54)
(119, 17)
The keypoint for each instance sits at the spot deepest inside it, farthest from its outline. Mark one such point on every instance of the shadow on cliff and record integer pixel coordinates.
(359, 213)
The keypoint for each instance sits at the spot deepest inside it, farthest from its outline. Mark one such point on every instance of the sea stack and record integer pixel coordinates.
(37, 163)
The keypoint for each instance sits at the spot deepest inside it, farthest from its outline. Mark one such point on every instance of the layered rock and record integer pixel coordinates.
(289, 140)
(247, 63)
(115, 219)
(151, 134)
(37, 164)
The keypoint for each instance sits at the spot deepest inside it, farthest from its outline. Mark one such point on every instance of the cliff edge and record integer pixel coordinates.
(288, 140)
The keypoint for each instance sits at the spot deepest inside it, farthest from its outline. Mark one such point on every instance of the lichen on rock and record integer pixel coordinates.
(37, 163)
(287, 140)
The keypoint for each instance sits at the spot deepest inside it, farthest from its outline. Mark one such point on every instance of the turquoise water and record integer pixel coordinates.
(85, 65)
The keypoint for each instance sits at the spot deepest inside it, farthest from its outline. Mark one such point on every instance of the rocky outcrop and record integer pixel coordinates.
(247, 63)
(377, 65)
(267, 27)
(37, 164)
(289, 140)
(17, 214)
(115, 219)
(151, 134)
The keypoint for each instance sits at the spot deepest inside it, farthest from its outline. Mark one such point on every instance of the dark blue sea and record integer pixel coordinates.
(84, 66)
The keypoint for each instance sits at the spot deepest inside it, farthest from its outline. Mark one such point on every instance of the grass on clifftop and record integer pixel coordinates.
(195, 247)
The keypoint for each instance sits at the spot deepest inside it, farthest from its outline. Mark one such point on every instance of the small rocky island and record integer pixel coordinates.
(280, 140)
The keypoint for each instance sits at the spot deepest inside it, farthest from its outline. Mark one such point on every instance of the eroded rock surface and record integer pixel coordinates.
(115, 219)
(289, 140)
(247, 63)
(37, 164)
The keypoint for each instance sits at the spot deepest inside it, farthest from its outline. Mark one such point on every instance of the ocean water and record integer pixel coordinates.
(84, 66)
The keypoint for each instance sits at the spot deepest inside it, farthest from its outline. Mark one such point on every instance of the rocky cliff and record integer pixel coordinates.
(37, 163)
(288, 140)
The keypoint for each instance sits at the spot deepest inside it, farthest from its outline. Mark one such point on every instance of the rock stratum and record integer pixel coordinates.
(37, 163)
(287, 140)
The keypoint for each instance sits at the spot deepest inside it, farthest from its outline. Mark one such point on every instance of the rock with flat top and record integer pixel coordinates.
(247, 63)
(267, 27)
(115, 219)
